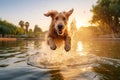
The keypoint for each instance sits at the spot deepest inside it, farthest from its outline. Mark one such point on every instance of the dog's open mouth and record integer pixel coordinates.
(60, 31)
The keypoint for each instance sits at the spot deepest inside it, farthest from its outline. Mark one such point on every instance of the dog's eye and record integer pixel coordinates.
(56, 18)
(64, 18)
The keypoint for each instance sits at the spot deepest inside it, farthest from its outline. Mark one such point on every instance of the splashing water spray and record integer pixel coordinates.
(47, 58)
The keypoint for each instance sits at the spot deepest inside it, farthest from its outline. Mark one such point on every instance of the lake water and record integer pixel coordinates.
(33, 60)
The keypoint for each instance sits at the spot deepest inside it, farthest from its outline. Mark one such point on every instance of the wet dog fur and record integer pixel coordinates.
(58, 30)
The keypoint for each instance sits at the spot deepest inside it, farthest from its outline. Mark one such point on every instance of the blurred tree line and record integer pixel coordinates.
(83, 32)
(106, 17)
(106, 14)
(8, 29)
(29, 32)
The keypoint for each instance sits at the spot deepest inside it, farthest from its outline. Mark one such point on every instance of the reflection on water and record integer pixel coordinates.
(80, 49)
(90, 60)
(56, 75)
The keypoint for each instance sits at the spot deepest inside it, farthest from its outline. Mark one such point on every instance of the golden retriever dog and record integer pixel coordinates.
(58, 30)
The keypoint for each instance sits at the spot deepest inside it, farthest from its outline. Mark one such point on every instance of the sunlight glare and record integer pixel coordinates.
(88, 68)
(79, 24)
(80, 49)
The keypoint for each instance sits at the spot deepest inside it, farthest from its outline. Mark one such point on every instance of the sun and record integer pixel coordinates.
(79, 23)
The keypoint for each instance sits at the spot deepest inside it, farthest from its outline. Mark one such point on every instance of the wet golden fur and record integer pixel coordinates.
(57, 34)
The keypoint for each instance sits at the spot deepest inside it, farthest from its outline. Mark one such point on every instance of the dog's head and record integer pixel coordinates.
(59, 20)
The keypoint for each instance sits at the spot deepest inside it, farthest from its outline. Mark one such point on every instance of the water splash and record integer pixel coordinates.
(47, 58)
(59, 58)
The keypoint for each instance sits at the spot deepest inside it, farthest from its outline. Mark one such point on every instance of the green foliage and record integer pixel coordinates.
(27, 24)
(37, 31)
(21, 23)
(107, 13)
(30, 33)
(10, 29)
(7, 28)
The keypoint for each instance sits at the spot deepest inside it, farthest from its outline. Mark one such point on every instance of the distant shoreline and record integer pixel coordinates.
(14, 39)
(8, 39)
(96, 39)
(105, 39)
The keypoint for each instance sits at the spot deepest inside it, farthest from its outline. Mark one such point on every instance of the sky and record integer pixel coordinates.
(32, 11)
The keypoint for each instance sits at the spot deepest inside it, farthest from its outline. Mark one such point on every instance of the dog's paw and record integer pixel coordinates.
(53, 47)
(67, 48)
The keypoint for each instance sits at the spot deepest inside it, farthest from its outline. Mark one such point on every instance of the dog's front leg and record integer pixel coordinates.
(67, 43)
(51, 43)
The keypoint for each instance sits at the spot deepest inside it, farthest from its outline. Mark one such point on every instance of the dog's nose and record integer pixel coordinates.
(60, 26)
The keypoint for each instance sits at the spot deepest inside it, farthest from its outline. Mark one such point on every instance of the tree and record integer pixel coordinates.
(7, 28)
(73, 27)
(73, 33)
(37, 31)
(21, 23)
(27, 25)
(107, 13)
(30, 33)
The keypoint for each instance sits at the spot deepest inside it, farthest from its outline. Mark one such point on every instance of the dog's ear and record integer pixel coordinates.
(51, 13)
(69, 13)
